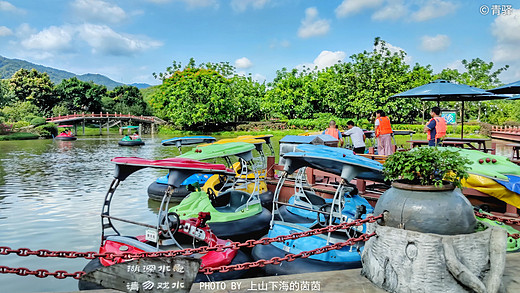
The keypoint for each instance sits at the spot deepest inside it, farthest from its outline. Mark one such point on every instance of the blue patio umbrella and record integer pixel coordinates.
(512, 88)
(443, 90)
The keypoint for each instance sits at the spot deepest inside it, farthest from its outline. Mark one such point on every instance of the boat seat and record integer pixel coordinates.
(235, 199)
(132, 242)
(314, 198)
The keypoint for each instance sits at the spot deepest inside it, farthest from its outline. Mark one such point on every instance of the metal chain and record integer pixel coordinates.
(40, 273)
(288, 257)
(5, 250)
(502, 220)
(499, 219)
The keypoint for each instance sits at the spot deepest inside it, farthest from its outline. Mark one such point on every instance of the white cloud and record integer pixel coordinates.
(313, 26)
(103, 40)
(328, 58)
(351, 7)
(435, 43)
(6, 6)
(433, 9)
(242, 5)
(325, 59)
(100, 38)
(457, 64)
(24, 31)
(98, 10)
(506, 30)
(394, 49)
(394, 10)
(5, 31)
(51, 39)
(243, 63)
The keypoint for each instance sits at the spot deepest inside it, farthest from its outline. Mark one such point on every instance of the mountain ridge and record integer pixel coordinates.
(9, 66)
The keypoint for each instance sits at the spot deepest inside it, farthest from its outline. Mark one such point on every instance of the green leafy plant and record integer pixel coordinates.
(427, 166)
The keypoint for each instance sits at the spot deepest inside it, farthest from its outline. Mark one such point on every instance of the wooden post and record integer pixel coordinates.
(100, 128)
(75, 130)
(108, 125)
(140, 126)
(270, 170)
(83, 124)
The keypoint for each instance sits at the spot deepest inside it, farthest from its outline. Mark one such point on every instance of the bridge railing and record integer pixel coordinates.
(101, 115)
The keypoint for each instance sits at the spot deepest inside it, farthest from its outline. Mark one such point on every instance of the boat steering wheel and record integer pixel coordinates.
(169, 223)
(324, 219)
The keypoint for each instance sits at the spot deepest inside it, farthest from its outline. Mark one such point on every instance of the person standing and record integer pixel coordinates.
(436, 127)
(384, 134)
(334, 132)
(357, 136)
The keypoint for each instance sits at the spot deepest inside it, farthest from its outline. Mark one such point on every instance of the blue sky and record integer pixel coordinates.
(128, 40)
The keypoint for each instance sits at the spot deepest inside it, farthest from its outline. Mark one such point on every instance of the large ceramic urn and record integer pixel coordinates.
(428, 209)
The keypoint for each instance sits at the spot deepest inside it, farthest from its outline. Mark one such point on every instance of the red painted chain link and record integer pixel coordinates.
(40, 273)
(502, 220)
(288, 257)
(5, 250)
(508, 221)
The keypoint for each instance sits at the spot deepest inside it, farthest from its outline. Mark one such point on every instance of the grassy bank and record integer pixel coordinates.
(18, 136)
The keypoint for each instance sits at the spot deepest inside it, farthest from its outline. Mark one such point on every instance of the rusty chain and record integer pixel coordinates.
(501, 220)
(288, 257)
(40, 273)
(5, 250)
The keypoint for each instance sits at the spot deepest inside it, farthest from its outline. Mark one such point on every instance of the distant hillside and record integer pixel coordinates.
(9, 66)
(141, 85)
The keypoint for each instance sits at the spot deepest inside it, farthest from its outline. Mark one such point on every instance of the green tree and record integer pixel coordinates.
(20, 110)
(196, 95)
(125, 99)
(35, 87)
(354, 89)
(247, 95)
(480, 74)
(80, 96)
(6, 93)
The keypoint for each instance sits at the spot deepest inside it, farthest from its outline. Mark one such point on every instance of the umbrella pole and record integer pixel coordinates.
(462, 122)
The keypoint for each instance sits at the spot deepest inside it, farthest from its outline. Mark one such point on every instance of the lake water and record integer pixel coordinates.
(51, 194)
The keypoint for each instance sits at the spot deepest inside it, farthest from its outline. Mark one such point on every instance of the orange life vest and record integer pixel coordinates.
(440, 128)
(332, 132)
(384, 126)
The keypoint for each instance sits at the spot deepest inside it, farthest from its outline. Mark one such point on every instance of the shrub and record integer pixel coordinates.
(20, 124)
(47, 130)
(37, 121)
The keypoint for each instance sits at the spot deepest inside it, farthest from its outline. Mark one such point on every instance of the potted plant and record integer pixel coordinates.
(423, 196)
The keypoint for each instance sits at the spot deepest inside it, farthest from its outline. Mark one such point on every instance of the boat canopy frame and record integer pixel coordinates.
(178, 169)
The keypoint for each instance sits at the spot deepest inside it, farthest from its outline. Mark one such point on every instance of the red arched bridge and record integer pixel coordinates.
(106, 120)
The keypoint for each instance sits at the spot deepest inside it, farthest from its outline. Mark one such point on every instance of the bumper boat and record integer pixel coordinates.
(337, 161)
(179, 142)
(169, 232)
(236, 214)
(250, 169)
(129, 141)
(65, 135)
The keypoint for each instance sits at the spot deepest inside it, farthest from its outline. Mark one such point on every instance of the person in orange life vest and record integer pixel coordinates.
(384, 134)
(334, 132)
(436, 127)
(134, 136)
